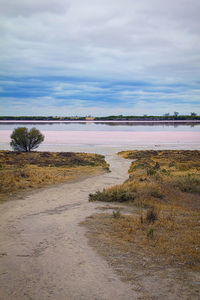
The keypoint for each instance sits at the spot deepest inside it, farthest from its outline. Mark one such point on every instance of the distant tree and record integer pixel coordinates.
(176, 113)
(193, 114)
(166, 115)
(26, 140)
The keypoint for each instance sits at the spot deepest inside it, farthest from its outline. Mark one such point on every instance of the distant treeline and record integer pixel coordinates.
(149, 118)
(107, 118)
(39, 118)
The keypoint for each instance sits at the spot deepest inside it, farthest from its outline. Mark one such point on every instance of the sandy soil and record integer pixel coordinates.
(44, 253)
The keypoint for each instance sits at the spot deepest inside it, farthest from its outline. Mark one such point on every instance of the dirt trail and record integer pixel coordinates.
(44, 252)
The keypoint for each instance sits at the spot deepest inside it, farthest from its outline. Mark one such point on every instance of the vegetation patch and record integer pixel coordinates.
(117, 193)
(20, 171)
(157, 252)
(165, 228)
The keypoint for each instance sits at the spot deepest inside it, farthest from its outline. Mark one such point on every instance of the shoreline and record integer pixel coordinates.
(99, 121)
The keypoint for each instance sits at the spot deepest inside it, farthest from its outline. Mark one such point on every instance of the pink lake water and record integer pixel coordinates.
(109, 139)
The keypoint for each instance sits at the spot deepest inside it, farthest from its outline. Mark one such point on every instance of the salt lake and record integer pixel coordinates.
(109, 137)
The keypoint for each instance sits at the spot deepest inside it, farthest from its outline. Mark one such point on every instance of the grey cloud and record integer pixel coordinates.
(142, 40)
(27, 8)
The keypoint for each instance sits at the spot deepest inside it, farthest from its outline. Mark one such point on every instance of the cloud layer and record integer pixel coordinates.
(98, 57)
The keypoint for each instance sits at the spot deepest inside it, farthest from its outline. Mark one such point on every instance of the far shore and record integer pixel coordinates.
(100, 121)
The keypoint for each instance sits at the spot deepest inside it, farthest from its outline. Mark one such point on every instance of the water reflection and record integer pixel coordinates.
(105, 126)
(165, 124)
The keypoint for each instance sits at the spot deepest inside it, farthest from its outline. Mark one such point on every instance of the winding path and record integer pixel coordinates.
(44, 253)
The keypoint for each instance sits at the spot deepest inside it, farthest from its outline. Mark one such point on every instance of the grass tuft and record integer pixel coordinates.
(116, 213)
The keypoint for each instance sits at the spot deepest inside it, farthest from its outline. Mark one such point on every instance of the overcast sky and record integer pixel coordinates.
(99, 57)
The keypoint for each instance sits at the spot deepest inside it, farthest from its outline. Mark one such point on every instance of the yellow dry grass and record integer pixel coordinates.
(23, 171)
(167, 182)
(169, 240)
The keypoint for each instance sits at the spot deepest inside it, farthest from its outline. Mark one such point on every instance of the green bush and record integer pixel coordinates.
(114, 195)
(25, 140)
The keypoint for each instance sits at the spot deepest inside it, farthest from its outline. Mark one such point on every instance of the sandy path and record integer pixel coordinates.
(44, 252)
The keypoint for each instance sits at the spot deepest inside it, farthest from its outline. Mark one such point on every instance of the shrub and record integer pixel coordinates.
(156, 193)
(112, 195)
(151, 215)
(97, 196)
(157, 166)
(151, 172)
(164, 171)
(172, 164)
(24, 141)
(116, 214)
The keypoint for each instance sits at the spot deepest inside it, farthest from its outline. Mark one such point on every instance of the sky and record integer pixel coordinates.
(99, 57)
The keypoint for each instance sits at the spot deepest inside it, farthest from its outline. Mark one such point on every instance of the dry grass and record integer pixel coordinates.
(167, 184)
(159, 265)
(23, 171)
(169, 240)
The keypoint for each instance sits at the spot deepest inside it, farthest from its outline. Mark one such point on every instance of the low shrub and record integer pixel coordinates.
(151, 215)
(151, 172)
(116, 214)
(112, 195)
(157, 193)
(164, 171)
